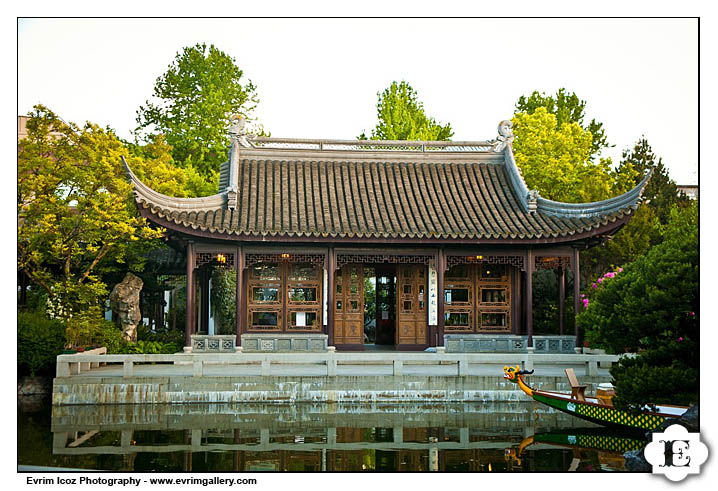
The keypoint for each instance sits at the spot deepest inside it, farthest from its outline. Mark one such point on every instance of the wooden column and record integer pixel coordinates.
(561, 297)
(330, 265)
(529, 298)
(189, 311)
(240, 293)
(440, 267)
(204, 277)
(576, 294)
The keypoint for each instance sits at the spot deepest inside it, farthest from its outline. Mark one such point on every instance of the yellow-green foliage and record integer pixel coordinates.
(556, 159)
(154, 165)
(75, 211)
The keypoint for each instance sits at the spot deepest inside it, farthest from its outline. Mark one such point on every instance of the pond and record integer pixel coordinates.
(488, 437)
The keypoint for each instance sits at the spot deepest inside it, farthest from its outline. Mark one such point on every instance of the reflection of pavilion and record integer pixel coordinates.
(303, 437)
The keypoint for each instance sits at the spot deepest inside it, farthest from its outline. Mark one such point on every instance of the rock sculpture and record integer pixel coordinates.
(125, 302)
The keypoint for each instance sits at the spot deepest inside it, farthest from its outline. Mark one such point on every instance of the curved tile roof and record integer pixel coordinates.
(346, 194)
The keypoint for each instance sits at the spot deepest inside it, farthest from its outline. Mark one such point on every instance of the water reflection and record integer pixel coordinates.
(507, 436)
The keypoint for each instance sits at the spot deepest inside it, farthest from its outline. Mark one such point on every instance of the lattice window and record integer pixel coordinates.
(343, 259)
(284, 296)
(217, 258)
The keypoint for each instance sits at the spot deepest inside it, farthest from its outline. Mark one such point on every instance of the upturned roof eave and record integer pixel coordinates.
(146, 194)
(597, 209)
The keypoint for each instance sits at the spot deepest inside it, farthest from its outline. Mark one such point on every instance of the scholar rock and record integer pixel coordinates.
(125, 302)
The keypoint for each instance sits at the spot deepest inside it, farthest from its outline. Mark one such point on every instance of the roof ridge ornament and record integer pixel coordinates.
(532, 200)
(506, 136)
(238, 131)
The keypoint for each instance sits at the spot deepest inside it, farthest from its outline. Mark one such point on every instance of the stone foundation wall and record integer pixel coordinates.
(285, 389)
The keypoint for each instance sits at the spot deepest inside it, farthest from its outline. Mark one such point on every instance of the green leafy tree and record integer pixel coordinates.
(195, 98)
(556, 160)
(567, 108)
(401, 117)
(652, 308)
(76, 215)
(645, 228)
(661, 191)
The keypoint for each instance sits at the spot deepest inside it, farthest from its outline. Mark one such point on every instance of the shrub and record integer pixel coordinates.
(82, 328)
(39, 341)
(150, 348)
(652, 308)
(109, 335)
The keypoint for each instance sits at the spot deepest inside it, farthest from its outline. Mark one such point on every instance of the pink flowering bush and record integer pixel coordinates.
(652, 309)
(594, 286)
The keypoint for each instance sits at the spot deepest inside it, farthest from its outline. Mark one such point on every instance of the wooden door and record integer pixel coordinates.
(411, 294)
(349, 305)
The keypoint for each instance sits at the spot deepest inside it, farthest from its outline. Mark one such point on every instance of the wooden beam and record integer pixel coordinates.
(529, 298)
(240, 293)
(189, 325)
(204, 277)
(576, 294)
(561, 297)
(330, 266)
(440, 267)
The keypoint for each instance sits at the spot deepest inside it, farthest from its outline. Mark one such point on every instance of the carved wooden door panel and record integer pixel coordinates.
(411, 294)
(349, 305)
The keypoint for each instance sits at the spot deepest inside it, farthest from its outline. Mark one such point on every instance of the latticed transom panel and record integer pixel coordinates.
(516, 261)
(547, 262)
(343, 259)
(218, 258)
(253, 258)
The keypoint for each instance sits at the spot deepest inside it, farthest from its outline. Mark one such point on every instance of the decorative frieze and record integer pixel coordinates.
(514, 260)
(343, 259)
(255, 258)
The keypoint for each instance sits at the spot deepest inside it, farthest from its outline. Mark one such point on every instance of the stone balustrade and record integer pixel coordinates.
(331, 359)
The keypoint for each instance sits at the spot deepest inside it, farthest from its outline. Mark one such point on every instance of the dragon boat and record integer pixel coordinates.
(597, 410)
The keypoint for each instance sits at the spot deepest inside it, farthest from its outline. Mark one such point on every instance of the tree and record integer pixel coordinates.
(401, 117)
(76, 215)
(196, 96)
(645, 228)
(652, 307)
(567, 108)
(661, 191)
(556, 160)
(155, 167)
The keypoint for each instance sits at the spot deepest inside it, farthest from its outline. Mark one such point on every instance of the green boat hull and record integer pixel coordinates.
(606, 416)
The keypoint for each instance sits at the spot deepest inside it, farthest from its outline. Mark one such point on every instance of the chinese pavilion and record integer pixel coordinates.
(446, 234)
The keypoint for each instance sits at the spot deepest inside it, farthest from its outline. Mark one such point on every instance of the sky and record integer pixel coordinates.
(319, 78)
